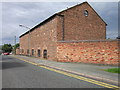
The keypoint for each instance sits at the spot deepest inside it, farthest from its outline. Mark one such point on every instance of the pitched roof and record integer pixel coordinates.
(51, 17)
(48, 19)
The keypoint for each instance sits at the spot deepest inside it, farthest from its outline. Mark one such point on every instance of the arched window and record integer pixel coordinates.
(38, 52)
(45, 53)
(32, 52)
(28, 51)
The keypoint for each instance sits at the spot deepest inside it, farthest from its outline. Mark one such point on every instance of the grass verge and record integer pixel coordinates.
(113, 70)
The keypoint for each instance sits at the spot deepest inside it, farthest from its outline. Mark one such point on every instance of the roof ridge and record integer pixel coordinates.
(73, 6)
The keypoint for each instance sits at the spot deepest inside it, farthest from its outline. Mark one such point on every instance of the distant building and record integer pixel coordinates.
(80, 22)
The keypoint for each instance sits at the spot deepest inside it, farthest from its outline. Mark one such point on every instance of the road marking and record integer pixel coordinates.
(73, 75)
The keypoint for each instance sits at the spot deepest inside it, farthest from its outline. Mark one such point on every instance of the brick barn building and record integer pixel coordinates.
(62, 35)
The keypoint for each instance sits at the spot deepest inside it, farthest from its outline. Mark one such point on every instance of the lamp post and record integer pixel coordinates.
(28, 37)
(14, 45)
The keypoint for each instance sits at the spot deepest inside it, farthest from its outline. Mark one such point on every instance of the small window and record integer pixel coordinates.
(85, 12)
(32, 51)
(22, 50)
(38, 52)
(28, 51)
(45, 53)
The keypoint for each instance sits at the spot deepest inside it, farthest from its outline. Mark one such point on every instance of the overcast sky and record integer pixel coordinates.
(32, 13)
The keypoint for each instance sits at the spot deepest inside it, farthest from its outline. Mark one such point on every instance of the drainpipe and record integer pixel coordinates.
(62, 16)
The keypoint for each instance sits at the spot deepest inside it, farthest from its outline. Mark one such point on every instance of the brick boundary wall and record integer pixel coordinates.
(89, 51)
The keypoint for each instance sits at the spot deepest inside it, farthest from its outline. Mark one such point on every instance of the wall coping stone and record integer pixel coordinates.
(76, 41)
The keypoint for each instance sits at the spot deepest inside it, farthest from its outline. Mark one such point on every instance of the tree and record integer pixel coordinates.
(16, 45)
(7, 48)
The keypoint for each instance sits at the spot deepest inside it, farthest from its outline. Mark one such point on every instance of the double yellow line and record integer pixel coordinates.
(73, 75)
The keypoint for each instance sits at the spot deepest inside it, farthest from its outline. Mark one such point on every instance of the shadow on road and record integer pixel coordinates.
(8, 65)
(6, 58)
(9, 62)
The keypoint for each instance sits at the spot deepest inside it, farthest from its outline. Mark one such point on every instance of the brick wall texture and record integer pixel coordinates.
(43, 38)
(17, 51)
(68, 25)
(97, 52)
(77, 26)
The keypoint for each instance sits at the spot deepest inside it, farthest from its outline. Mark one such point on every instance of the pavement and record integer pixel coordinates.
(89, 70)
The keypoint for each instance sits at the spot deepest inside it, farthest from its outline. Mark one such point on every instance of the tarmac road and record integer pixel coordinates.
(20, 74)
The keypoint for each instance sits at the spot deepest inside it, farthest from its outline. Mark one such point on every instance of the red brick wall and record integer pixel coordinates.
(24, 44)
(76, 27)
(80, 27)
(98, 52)
(43, 37)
